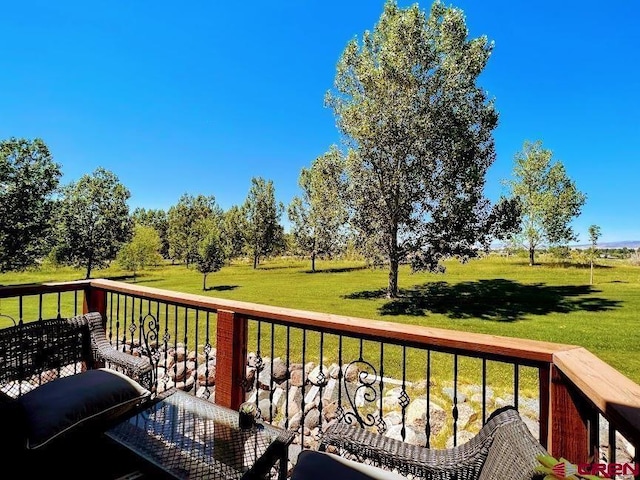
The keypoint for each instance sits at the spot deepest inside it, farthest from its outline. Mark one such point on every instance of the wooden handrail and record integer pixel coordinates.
(38, 288)
(503, 347)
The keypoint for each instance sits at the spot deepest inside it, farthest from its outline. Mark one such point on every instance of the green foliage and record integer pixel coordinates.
(234, 227)
(93, 220)
(189, 222)
(319, 216)
(420, 135)
(142, 250)
(550, 199)
(28, 179)
(211, 255)
(264, 234)
(156, 219)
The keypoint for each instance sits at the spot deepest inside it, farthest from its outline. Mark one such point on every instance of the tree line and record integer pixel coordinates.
(406, 184)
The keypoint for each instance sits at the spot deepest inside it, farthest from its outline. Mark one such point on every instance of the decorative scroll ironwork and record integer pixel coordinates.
(149, 333)
(364, 392)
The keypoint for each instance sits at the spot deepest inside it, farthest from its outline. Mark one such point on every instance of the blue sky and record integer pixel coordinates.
(199, 97)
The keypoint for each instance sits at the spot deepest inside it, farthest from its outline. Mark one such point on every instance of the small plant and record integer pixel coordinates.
(247, 415)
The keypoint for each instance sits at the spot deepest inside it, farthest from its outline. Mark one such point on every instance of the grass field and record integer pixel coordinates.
(492, 295)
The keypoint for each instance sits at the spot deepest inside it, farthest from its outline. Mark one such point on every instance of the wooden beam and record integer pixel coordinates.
(569, 436)
(231, 359)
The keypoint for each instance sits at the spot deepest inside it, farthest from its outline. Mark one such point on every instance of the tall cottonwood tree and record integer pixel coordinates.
(28, 180)
(319, 215)
(93, 220)
(549, 198)
(419, 134)
(264, 234)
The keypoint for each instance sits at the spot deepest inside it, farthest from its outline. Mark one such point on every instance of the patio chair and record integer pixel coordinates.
(503, 449)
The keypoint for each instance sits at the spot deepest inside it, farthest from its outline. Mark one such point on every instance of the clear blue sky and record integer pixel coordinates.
(197, 97)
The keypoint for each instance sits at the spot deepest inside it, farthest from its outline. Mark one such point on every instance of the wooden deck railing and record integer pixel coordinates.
(575, 386)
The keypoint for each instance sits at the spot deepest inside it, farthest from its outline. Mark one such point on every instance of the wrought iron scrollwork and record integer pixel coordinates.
(149, 333)
(364, 393)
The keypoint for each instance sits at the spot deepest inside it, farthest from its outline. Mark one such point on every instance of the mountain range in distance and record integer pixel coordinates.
(630, 244)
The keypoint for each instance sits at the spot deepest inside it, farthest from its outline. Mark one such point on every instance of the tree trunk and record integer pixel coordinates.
(392, 290)
(255, 261)
(89, 266)
(313, 261)
(204, 282)
(531, 256)
(591, 279)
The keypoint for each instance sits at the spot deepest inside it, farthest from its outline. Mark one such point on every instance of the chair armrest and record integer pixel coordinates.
(356, 443)
(137, 368)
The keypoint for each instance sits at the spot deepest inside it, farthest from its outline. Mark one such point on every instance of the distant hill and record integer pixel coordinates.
(630, 244)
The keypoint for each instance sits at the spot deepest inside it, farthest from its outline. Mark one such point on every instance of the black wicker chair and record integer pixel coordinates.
(503, 449)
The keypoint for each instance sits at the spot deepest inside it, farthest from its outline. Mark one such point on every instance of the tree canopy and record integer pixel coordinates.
(418, 130)
(549, 199)
(188, 223)
(142, 250)
(93, 220)
(28, 180)
(319, 215)
(264, 234)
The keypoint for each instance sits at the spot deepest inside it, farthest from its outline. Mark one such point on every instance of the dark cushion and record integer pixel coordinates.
(12, 439)
(316, 465)
(88, 399)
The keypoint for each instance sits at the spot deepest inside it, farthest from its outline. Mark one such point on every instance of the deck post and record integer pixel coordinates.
(95, 300)
(568, 426)
(231, 358)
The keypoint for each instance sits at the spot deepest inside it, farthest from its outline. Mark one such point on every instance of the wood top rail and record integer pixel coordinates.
(37, 288)
(470, 343)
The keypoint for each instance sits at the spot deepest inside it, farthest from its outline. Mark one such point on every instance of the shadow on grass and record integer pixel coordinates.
(337, 270)
(495, 300)
(221, 288)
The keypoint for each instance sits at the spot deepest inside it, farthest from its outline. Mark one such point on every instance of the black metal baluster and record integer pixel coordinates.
(20, 319)
(484, 390)
(340, 375)
(40, 307)
(302, 402)
(403, 395)
(175, 344)
(288, 383)
(321, 378)
(58, 315)
(271, 375)
(427, 427)
(165, 342)
(381, 425)
(611, 454)
(185, 342)
(516, 384)
(118, 320)
(207, 352)
(124, 324)
(75, 302)
(258, 361)
(455, 400)
(109, 321)
(195, 347)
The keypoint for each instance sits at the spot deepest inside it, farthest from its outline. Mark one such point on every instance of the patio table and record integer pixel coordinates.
(187, 437)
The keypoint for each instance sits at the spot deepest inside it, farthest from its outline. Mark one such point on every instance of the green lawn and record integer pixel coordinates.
(492, 295)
